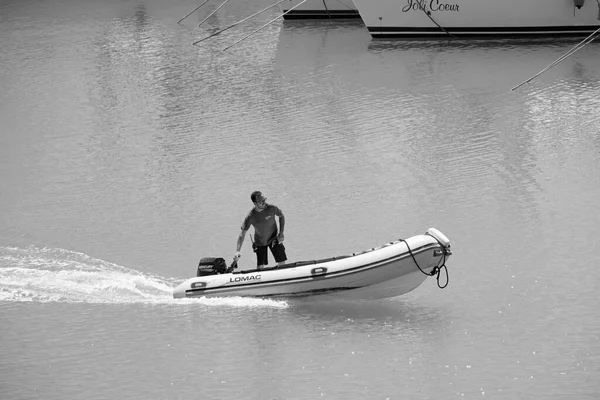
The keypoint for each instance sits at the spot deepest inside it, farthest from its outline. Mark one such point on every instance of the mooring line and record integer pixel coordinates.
(576, 48)
(428, 13)
(268, 23)
(326, 9)
(239, 22)
(212, 13)
(191, 12)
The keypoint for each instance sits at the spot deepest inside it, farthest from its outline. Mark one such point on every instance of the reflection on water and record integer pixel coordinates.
(394, 317)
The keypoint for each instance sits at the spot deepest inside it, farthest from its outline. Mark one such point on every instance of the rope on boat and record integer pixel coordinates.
(350, 8)
(577, 47)
(239, 22)
(428, 13)
(326, 9)
(437, 270)
(212, 13)
(265, 25)
(191, 12)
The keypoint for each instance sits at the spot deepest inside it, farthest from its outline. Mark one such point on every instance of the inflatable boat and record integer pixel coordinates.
(390, 270)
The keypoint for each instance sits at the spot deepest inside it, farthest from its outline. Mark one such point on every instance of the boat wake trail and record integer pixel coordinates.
(57, 275)
(46, 275)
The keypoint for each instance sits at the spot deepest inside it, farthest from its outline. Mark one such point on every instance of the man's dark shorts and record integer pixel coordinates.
(277, 249)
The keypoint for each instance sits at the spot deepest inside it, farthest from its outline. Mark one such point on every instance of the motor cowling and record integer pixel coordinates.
(211, 266)
(578, 3)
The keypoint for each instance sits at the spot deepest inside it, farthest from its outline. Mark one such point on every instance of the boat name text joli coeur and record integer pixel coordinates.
(431, 5)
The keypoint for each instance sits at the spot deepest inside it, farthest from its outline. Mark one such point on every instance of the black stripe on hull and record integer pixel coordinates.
(321, 14)
(481, 32)
(296, 280)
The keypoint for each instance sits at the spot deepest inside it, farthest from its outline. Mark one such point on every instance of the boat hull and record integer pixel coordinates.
(390, 270)
(477, 18)
(321, 9)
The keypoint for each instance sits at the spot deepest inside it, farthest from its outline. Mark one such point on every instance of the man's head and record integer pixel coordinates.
(258, 199)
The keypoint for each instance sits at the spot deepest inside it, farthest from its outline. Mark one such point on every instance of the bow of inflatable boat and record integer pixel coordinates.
(441, 238)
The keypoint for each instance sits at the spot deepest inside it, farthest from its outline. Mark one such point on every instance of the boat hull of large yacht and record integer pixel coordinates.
(479, 18)
(320, 9)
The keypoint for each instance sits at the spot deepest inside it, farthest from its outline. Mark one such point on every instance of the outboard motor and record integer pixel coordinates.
(212, 266)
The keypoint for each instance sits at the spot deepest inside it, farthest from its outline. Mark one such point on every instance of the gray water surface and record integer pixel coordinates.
(126, 154)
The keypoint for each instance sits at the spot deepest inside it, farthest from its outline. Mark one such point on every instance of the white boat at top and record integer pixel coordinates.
(478, 18)
(390, 270)
(320, 9)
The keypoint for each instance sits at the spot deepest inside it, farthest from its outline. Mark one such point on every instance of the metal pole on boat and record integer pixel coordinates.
(212, 13)
(268, 23)
(576, 48)
(239, 22)
(190, 13)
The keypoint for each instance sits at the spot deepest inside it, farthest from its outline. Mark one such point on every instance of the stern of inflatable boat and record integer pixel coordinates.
(179, 291)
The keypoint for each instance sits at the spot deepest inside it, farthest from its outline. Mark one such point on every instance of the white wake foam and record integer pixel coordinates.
(45, 275)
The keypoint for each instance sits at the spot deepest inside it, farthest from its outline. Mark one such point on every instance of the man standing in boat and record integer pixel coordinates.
(266, 235)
